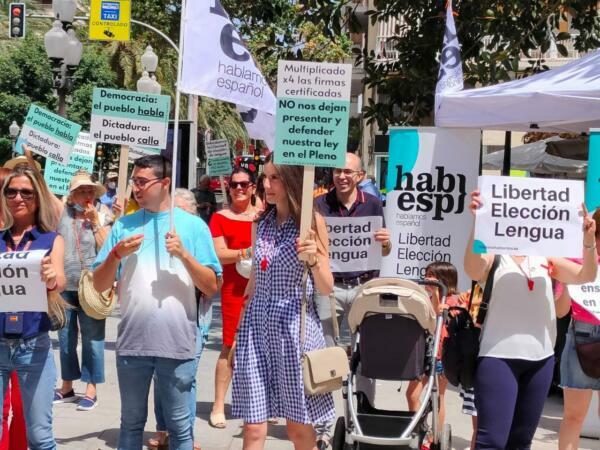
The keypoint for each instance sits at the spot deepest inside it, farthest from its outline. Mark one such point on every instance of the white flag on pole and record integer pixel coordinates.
(450, 77)
(259, 125)
(216, 63)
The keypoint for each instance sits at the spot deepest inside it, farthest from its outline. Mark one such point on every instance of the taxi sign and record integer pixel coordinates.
(110, 20)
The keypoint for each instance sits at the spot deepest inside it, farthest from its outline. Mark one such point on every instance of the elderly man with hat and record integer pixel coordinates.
(110, 183)
(83, 227)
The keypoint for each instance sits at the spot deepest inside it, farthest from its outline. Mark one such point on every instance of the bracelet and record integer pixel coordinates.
(589, 247)
(115, 254)
(53, 288)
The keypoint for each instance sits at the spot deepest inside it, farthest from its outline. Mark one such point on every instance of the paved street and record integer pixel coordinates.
(98, 429)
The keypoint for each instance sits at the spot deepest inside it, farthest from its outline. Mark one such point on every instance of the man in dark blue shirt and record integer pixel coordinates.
(346, 200)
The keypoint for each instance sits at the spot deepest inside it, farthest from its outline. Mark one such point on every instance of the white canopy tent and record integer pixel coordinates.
(562, 99)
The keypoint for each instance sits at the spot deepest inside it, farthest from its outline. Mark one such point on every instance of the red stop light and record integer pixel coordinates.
(16, 24)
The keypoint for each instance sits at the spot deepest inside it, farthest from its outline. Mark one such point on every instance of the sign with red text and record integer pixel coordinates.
(529, 216)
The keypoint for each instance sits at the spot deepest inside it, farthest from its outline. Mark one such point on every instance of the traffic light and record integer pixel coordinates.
(16, 14)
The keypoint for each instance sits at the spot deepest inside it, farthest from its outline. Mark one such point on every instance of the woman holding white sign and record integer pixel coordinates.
(516, 355)
(578, 386)
(25, 345)
(267, 377)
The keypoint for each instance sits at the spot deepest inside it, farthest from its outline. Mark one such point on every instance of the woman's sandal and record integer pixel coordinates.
(217, 420)
(160, 440)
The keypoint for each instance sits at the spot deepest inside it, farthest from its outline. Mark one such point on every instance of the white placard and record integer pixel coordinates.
(21, 286)
(529, 216)
(352, 246)
(426, 212)
(313, 80)
(587, 296)
(138, 152)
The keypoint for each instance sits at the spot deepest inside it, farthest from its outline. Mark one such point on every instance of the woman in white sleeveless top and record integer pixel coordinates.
(516, 357)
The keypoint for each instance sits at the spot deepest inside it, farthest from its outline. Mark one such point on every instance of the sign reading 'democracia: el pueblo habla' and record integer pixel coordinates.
(48, 134)
(430, 174)
(82, 157)
(529, 216)
(313, 109)
(130, 118)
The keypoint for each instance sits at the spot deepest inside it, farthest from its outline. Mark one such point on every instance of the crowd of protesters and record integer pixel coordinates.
(166, 275)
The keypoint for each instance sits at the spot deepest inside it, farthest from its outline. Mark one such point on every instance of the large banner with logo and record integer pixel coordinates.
(431, 172)
(216, 62)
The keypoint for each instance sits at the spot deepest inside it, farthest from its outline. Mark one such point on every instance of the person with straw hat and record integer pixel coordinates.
(83, 227)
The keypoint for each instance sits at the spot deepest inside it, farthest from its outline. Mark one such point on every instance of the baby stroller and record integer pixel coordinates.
(397, 338)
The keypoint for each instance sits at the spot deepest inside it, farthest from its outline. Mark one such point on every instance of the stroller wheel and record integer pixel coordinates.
(446, 440)
(339, 435)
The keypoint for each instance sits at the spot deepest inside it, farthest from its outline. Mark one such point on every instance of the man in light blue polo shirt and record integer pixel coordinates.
(157, 271)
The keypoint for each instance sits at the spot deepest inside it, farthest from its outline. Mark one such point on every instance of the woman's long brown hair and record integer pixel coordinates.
(291, 178)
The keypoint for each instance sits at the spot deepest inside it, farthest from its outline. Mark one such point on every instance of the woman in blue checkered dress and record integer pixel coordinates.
(267, 378)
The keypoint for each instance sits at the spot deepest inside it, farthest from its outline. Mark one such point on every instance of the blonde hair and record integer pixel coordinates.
(44, 217)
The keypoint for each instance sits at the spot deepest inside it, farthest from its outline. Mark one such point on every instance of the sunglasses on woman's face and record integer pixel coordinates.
(242, 184)
(26, 194)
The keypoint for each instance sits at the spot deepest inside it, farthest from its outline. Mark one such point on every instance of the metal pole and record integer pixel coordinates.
(193, 147)
(507, 149)
(62, 102)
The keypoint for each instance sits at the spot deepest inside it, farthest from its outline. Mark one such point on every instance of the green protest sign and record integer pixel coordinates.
(218, 158)
(48, 134)
(130, 118)
(313, 109)
(59, 176)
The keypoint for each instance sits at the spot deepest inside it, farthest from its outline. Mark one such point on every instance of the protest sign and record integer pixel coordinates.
(587, 296)
(48, 134)
(21, 286)
(82, 157)
(592, 182)
(529, 216)
(432, 171)
(218, 158)
(352, 246)
(138, 152)
(313, 109)
(130, 118)
(110, 20)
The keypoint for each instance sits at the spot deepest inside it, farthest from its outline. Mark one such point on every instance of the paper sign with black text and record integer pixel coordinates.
(21, 286)
(130, 118)
(430, 174)
(59, 176)
(587, 296)
(313, 109)
(218, 158)
(48, 134)
(352, 245)
(529, 216)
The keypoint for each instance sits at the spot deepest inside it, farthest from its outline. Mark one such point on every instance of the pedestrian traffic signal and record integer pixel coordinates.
(16, 25)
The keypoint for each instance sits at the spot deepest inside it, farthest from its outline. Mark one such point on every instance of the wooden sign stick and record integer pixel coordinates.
(122, 182)
(306, 214)
(222, 181)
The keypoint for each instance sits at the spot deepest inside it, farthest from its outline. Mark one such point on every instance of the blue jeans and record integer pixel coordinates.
(92, 344)
(201, 338)
(174, 378)
(33, 361)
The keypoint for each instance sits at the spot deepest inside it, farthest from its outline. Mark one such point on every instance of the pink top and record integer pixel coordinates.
(577, 312)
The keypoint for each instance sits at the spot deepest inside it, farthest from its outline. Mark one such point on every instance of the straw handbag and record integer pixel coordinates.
(97, 305)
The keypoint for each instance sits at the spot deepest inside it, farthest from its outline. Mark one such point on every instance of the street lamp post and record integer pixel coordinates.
(13, 130)
(63, 49)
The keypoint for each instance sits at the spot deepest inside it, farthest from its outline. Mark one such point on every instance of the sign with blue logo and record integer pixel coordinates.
(110, 11)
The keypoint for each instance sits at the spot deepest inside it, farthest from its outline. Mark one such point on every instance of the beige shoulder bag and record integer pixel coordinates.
(323, 370)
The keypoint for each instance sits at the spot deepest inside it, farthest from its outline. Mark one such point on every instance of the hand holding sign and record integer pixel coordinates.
(589, 228)
(174, 245)
(476, 202)
(48, 273)
(307, 249)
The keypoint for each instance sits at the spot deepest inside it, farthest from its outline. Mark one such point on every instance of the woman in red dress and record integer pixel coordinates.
(231, 230)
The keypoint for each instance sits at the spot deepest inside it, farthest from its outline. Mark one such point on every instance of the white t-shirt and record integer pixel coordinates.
(520, 323)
